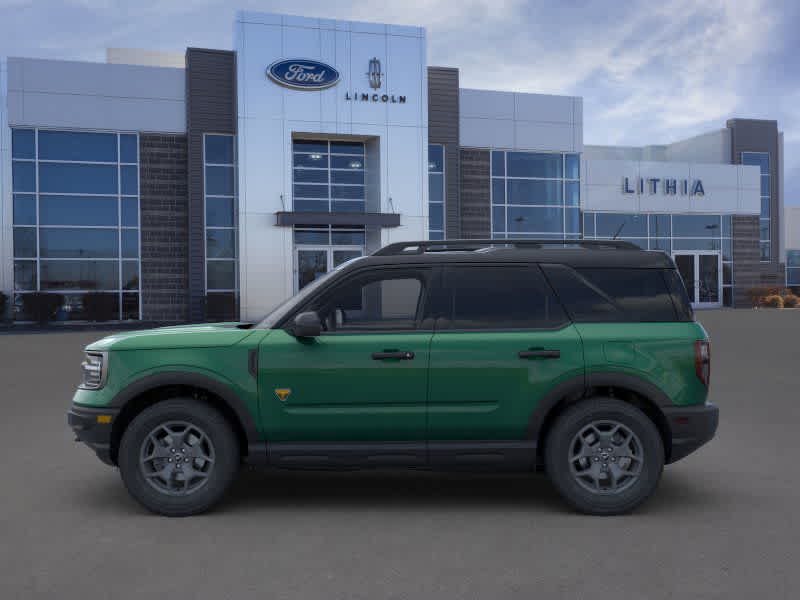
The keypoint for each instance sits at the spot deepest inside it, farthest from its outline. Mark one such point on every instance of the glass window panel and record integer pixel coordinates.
(695, 244)
(77, 145)
(529, 219)
(498, 219)
(77, 210)
(311, 205)
(220, 243)
(643, 296)
(347, 148)
(759, 159)
(531, 164)
(219, 212)
(23, 143)
(130, 212)
(23, 176)
(311, 265)
(346, 162)
(573, 166)
(660, 226)
(727, 296)
(436, 187)
(348, 192)
(727, 249)
(310, 146)
(25, 242)
(342, 256)
(310, 191)
(311, 175)
(128, 148)
(57, 242)
(765, 207)
(498, 191)
(219, 149)
(436, 235)
(641, 242)
(348, 238)
(526, 191)
(572, 190)
(129, 180)
(219, 181)
(435, 158)
(696, 225)
(130, 243)
(572, 220)
(727, 226)
(352, 177)
(763, 229)
(221, 274)
(727, 273)
(367, 304)
(621, 225)
(793, 258)
(130, 274)
(766, 251)
(315, 160)
(765, 185)
(130, 307)
(436, 216)
(793, 277)
(24, 209)
(77, 179)
(348, 205)
(79, 275)
(588, 225)
(663, 244)
(311, 237)
(498, 163)
(25, 275)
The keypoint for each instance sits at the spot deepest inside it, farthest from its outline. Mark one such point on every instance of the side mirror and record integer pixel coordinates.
(307, 324)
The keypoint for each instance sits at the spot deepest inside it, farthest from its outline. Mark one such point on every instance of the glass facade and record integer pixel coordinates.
(669, 233)
(435, 191)
(793, 268)
(320, 248)
(222, 277)
(328, 176)
(761, 160)
(535, 195)
(76, 221)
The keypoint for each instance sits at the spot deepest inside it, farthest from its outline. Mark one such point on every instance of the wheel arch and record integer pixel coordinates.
(151, 389)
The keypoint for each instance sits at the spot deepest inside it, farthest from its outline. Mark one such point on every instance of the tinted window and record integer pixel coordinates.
(679, 297)
(74, 145)
(493, 297)
(602, 294)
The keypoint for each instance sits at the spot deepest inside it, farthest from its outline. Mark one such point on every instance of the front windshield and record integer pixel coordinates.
(288, 305)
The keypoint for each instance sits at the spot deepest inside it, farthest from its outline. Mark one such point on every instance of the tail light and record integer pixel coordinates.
(702, 361)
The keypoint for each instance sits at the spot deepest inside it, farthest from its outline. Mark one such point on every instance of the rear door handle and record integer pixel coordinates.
(540, 354)
(395, 354)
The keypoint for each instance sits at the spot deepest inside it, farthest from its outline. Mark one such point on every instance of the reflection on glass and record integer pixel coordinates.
(311, 264)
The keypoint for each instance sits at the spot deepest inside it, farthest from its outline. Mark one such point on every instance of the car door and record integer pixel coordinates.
(365, 377)
(502, 342)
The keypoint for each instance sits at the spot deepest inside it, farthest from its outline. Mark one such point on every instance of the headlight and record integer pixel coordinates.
(95, 369)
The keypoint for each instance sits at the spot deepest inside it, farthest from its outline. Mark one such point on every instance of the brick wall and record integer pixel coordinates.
(476, 219)
(165, 227)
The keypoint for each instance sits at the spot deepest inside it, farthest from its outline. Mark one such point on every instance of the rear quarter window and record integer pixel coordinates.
(614, 294)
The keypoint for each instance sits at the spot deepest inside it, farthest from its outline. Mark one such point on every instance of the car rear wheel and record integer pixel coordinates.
(178, 457)
(604, 456)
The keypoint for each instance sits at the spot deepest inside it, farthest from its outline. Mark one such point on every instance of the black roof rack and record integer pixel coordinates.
(420, 247)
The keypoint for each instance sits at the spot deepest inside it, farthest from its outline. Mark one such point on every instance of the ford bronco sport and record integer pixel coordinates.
(582, 358)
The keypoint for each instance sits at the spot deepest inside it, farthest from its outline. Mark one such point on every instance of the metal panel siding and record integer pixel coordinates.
(210, 108)
(443, 128)
(476, 217)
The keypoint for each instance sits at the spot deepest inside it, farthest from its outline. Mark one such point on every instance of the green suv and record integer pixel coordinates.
(580, 358)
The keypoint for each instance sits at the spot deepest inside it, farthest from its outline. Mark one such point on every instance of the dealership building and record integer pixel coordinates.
(213, 184)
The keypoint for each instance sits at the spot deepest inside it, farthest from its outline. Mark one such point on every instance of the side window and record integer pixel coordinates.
(499, 297)
(374, 302)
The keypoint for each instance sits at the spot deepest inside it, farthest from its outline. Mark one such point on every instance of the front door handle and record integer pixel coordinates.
(540, 353)
(395, 354)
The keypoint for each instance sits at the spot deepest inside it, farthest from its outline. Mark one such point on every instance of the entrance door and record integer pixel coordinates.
(314, 261)
(702, 275)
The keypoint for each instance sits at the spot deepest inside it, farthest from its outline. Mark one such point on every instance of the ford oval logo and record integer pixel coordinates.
(303, 74)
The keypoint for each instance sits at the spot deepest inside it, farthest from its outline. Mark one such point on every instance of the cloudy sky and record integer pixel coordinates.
(649, 72)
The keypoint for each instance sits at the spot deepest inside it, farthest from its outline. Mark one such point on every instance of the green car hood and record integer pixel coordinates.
(206, 335)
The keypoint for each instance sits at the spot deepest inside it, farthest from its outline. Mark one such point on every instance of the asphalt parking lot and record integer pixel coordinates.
(724, 523)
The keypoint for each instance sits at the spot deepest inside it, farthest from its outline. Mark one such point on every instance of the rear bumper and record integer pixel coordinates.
(84, 423)
(692, 426)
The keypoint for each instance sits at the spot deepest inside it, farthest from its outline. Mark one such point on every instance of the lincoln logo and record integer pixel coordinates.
(374, 74)
(301, 74)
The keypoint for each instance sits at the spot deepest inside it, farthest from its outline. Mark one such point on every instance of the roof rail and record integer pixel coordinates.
(422, 246)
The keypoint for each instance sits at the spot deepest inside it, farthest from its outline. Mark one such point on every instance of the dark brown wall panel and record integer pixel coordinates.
(443, 113)
(475, 199)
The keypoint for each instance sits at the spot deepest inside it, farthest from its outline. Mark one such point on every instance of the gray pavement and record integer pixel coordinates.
(723, 524)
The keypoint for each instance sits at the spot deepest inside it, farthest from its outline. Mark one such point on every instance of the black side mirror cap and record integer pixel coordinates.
(307, 324)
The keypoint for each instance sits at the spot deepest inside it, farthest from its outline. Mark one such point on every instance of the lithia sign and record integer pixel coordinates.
(667, 186)
(306, 74)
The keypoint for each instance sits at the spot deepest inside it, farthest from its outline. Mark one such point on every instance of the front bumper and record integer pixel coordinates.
(94, 432)
(692, 426)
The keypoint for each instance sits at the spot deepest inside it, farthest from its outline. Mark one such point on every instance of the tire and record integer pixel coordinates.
(178, 457)
(614, 482)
